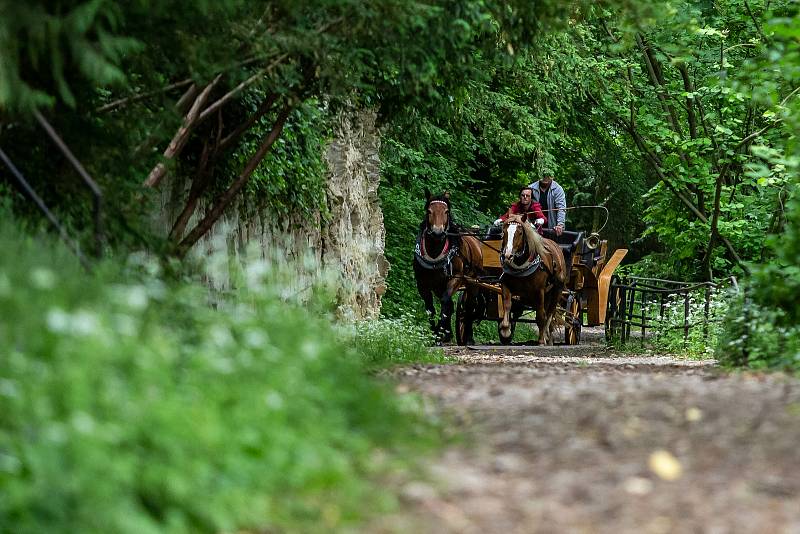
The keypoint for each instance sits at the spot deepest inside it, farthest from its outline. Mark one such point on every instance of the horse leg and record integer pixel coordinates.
(505, 323)
(447, 310)
(541, 318)
(445, 328)
(470, 307)
(549, 329)
(550, 310)
(430, 310)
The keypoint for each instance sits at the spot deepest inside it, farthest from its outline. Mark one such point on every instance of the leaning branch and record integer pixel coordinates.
(181, 137)
(777, 121)
(227, 197)
(236, 90)
(141, 96)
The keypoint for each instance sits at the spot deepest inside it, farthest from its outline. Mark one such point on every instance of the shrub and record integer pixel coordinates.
(389, 341)
(668, 334)
(759, 337)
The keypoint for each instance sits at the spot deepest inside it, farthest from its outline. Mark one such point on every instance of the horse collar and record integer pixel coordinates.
(526, 269)
(441, 254)
(444, 260)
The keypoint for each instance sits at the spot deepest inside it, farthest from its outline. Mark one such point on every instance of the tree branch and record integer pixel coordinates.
(658, 83)
(227, 197)
(688, 86)
(199, 184)
(141, 96)
(262, 110)
(181, 137)
(236, 90)
(753, 18)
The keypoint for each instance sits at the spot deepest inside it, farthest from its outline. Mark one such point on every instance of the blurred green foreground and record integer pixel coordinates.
(133, 402)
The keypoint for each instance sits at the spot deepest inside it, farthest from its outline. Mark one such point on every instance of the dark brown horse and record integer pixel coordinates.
(533, 270)
(441, 260)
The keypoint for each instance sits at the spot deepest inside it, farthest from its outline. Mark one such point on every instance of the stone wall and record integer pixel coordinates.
(354, 239)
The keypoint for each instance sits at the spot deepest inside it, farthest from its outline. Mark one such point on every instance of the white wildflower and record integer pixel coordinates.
(43, 278)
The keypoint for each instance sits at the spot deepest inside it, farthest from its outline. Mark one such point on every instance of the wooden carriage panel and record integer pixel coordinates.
(604, 281)
(491, 253)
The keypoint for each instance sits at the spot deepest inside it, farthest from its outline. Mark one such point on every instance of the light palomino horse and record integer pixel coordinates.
(534, 271)
(441, 260)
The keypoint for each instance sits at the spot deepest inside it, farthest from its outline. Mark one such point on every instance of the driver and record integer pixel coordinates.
(526, 206)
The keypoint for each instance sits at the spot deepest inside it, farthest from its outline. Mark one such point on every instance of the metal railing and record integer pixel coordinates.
(94, 189)
(644, 303)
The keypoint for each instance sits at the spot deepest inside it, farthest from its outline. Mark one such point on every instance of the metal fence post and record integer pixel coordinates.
(644, 317)
(629, 311)
(685, 317)
(624, 307)
(706, 311)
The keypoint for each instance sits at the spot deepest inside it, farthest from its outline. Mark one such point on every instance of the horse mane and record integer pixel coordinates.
(532, 237)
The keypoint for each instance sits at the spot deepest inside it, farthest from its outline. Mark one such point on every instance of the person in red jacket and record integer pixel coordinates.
(527, 206)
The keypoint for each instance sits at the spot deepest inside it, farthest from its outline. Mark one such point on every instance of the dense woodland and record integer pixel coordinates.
(680, 116)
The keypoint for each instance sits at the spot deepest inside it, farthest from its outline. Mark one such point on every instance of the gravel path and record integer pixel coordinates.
(582, 439)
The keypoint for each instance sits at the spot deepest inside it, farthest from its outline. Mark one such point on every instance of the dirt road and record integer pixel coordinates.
(583, 439)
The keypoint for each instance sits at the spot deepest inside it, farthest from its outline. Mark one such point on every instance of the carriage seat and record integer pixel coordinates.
(568, 241)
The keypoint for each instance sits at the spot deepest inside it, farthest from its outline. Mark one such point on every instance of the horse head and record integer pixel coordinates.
(520, 243)
(437, 214)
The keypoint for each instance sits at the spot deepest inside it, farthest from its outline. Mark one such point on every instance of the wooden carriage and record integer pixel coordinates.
(583, 301)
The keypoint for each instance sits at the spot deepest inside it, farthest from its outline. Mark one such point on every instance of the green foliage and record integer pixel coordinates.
(58, 42)
(391, 341)
(668, 335)
(291, 178)
(131, 405)
(670, 77)
(760, 337)
(763, 328)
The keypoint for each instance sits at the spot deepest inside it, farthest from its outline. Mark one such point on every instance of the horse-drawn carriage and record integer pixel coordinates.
(563, 278)
(582, 302)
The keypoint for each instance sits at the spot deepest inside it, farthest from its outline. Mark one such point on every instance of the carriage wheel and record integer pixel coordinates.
(573, 319)
(463, 321)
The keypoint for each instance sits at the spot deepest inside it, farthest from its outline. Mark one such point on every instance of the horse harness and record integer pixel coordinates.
(444, 260)
(530, 266)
